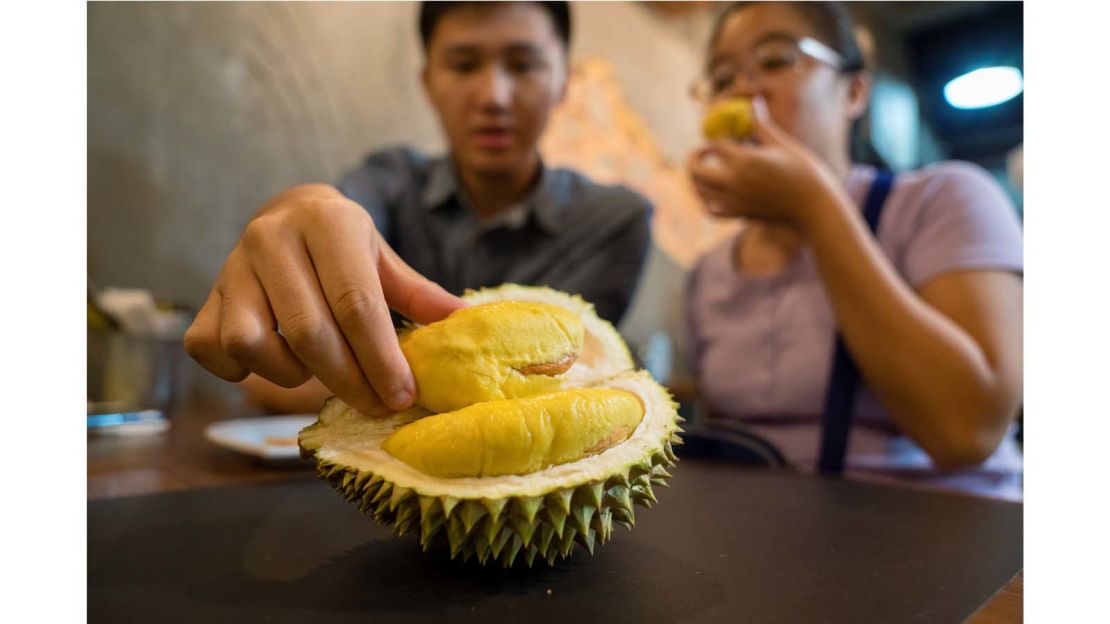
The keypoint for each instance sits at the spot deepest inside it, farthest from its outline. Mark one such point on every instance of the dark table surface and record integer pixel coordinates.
(723, 545)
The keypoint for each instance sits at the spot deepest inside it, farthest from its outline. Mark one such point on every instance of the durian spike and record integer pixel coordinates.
(644, 494)
(556, 517)
(398, 496)
(429, 529)
(470, 514)
(644, 467)
(492, 528)
(591, 494)
(481, 548)
(530, 554)
(620, 479)
(567, 543)
(509, 553)
(494, 507)
(618, 497)
(582, 516)
(500, 540)
(527, 507)
(456, 534)
(448, 503)
(523, 528)
(587, 539)
(383, 493)
(560, 499)
(546, 533)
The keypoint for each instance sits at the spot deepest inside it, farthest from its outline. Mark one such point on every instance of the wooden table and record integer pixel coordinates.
(182, 459)
(179, 459)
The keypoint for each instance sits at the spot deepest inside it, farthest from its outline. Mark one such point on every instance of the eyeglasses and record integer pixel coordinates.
(770, 58)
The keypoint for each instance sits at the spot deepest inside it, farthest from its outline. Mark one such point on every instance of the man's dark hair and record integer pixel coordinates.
(431, 12)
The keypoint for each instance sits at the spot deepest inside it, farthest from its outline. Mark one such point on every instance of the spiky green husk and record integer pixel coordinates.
(514, 528)
(511, 518)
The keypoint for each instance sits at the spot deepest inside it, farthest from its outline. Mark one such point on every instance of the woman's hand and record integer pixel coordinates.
(307, 291)
(778, 179)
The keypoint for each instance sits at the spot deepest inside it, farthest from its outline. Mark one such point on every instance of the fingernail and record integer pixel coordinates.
(400, 399)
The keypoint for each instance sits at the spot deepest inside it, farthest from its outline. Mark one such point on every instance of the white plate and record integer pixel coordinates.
(262, 437)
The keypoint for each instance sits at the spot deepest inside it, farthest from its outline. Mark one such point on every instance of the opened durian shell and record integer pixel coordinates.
(542, 514)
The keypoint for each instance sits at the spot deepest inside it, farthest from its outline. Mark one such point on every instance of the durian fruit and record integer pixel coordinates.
(509, 468)
(729, 119)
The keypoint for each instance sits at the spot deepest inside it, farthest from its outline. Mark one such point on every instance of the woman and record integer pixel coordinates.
(929, 308)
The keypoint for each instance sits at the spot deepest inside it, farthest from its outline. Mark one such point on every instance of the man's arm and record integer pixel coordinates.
(307, 291)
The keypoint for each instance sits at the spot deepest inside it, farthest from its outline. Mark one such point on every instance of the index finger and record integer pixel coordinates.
(346, 260)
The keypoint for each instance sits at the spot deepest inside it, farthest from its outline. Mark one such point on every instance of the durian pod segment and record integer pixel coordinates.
(604, 353)
(492, 351)
(729, 119)
(541, 515)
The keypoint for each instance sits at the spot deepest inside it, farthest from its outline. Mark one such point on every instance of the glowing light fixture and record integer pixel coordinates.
(984, 87)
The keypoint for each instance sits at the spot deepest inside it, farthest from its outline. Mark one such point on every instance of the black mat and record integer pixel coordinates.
(723, 545)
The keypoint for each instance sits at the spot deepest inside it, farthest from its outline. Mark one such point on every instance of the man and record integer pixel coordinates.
(308, 289)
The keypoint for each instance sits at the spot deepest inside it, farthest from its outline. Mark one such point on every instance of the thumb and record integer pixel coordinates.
(410, 293)
(764, 127)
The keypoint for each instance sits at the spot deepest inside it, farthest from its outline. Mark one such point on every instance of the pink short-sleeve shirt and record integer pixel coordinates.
(763, 346)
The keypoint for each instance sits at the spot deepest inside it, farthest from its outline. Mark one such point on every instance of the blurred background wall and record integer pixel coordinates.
(198, 112)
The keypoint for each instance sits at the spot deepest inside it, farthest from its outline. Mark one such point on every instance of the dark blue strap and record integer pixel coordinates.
(840, 397)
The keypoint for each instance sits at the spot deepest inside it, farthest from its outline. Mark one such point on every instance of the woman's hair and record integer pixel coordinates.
(834, 27)
(431, 12)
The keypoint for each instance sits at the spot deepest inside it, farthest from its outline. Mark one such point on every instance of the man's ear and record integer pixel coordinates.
(424, 79)
(859, 94)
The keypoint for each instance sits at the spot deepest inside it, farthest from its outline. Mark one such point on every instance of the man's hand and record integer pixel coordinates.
(307, 291)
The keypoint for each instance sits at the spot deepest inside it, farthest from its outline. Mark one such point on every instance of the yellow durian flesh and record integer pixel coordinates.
(517, 436)
(728, 119)
(492, 351)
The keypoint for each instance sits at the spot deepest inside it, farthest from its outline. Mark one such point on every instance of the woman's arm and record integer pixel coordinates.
(945, 360)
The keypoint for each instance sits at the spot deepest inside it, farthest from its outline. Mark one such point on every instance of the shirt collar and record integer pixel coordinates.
(545, 204)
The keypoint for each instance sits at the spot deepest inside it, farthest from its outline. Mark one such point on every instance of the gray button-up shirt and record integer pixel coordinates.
(570, 234)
